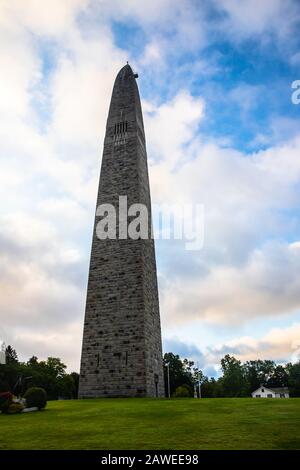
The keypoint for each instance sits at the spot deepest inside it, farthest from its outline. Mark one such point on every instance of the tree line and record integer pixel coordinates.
(17, 377)
(237, 379)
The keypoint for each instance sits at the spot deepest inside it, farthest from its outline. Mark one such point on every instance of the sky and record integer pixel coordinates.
(215, 81)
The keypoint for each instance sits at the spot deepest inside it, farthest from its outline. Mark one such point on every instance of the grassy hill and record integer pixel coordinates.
(240, 423)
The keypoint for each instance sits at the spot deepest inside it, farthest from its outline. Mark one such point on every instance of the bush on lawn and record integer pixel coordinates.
(5, 401)
(36, 397)
(183, 391)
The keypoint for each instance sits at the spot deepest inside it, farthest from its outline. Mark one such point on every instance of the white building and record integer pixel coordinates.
(275, 392)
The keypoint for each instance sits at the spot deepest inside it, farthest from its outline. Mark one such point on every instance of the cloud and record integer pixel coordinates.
(245, 269)
(171, 126)
(295, 59)
(177, 22)
(184, 350)
(267, 285)
(251, 17)
(40, 281)
(50, 343)
(43, 21)
(245, 96)
(279, 344)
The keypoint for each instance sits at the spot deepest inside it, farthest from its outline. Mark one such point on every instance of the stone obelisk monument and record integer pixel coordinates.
(121, 350)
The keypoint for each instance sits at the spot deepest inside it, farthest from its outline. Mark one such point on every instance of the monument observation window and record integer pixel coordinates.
(121, 128)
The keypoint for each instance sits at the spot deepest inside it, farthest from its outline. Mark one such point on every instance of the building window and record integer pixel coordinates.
(282, 395)
(257, 396)
(120, 128)
(262, 389)
(120, 133)
(269, 395)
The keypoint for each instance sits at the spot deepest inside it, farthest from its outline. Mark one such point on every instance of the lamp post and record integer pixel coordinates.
(19, 385)
(2, 354)
(199, 383)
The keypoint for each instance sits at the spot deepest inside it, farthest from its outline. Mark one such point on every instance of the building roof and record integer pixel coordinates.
(273, 389)
(279, 389)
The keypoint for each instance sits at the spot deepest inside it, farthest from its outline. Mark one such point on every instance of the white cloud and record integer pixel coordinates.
(245, 96)
(239, 275)
(295, 59)
(180, 19)
(41, 289)
(279, 344)
(266, 285)
(253, 17)
(53, 19)
(153, 54)
(172, 125)
(51, 343)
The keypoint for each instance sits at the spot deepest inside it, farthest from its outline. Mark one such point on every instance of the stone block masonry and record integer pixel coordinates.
(121, 350)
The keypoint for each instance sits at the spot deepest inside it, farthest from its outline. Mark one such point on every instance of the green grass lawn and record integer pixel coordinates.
(241, 423)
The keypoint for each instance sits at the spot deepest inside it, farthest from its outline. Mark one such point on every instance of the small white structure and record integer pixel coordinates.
(275, 392)
(28, 410)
